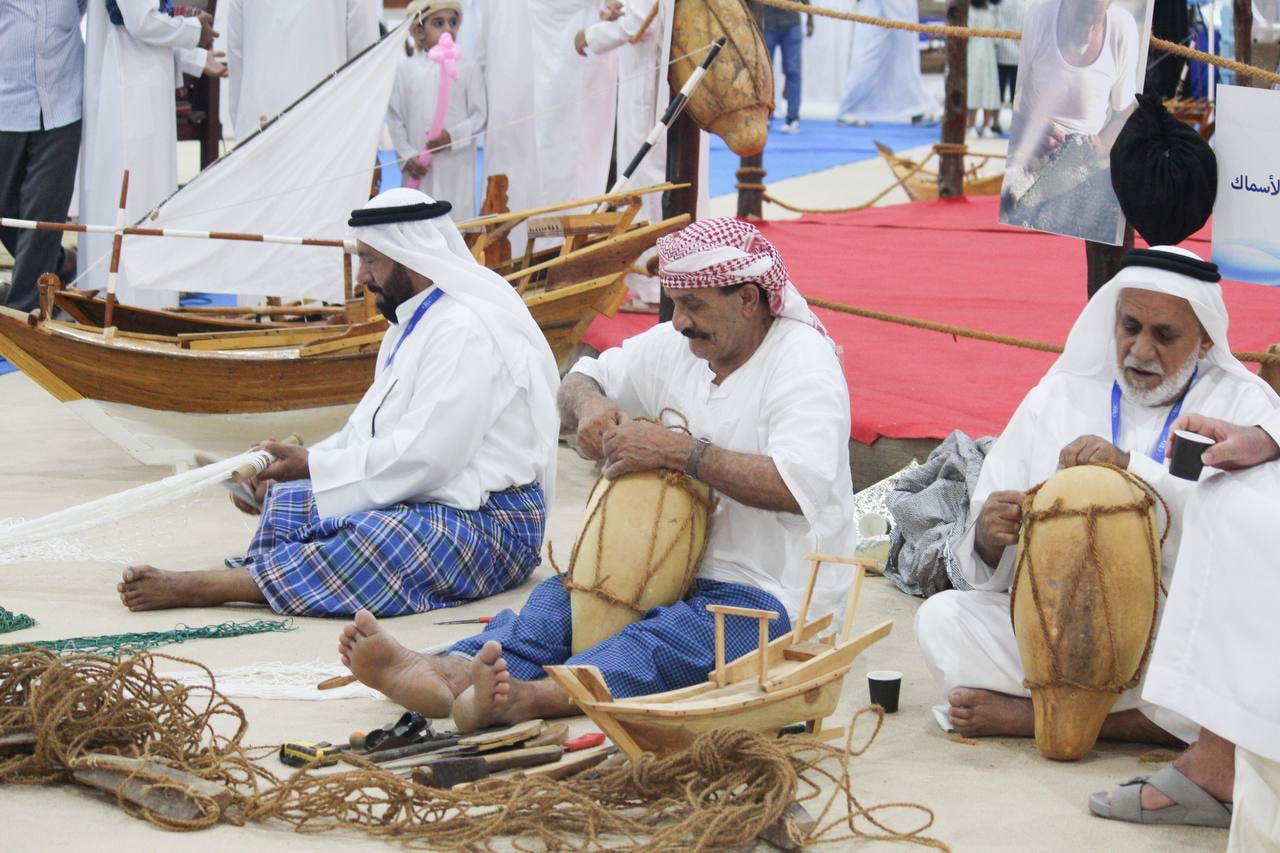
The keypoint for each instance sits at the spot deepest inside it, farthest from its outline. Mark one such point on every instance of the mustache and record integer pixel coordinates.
(1136, 363)
(695, 336)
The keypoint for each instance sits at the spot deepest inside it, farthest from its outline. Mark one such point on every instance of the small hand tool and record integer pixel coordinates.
(448, 772)
(479, 620)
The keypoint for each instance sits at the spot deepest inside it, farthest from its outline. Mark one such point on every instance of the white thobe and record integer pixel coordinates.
(574, 100)
(452, 175)
(967, 637)
(130, 73)
(278, 50)
(1212, 661)
(789, 402)
(504, 52)
(642, 95)
(883, 82)
(445, 423)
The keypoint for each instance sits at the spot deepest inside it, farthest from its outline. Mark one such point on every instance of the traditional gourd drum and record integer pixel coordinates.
(736, 99)
(639, 548)
(1084, 600)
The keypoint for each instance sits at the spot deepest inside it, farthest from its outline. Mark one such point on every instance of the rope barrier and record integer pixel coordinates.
(979, 335)
(949, 31)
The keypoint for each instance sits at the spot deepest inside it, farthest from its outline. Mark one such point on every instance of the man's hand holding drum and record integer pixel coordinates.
(1092, 450)
(999, 524)
(633, 446)
(599, 417)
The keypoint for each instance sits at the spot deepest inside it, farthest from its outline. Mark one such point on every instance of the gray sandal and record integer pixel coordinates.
(1193, 806)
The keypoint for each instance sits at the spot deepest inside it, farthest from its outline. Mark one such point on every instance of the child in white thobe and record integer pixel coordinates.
(451, 175)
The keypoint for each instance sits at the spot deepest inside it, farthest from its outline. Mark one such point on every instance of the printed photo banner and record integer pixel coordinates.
(1082, 63)
(1246, 214)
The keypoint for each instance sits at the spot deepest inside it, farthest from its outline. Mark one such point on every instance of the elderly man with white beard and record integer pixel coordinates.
(1149, 344)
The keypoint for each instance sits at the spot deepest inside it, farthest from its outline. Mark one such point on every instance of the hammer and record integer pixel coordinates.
(448, 772)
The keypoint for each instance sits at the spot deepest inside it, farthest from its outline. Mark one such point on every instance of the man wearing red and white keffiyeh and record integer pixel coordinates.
(729, 252)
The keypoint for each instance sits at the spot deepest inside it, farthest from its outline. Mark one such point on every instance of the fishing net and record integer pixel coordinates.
(10, 621)
(724, 791)
(112, 645)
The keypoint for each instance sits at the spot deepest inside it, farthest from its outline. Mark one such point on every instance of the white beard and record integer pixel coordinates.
(1164, 393)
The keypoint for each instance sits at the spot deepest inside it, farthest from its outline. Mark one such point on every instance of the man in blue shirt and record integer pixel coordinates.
(41, 81)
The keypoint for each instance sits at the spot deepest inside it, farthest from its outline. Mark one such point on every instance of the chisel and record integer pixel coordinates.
(447, 772)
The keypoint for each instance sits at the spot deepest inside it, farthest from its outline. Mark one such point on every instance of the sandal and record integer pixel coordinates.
(1193, 806)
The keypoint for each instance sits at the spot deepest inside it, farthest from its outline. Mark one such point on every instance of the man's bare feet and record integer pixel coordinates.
(419, 682)
(489, 700)
(985, 713)
(149, 588)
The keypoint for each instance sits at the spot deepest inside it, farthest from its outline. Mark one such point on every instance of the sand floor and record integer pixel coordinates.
(999, 794)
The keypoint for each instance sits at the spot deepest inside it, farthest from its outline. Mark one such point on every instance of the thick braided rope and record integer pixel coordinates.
(949, 31)
(979, 335)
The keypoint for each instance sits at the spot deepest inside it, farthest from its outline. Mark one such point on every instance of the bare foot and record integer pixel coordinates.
(416, 681)
(489, 699)
(985, 713)
(149, 588)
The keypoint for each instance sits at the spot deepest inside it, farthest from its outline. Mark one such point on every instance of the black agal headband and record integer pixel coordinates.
(403, 213)
(1169, 262)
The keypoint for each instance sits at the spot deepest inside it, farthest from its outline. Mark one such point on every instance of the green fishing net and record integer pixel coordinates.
(111, 645)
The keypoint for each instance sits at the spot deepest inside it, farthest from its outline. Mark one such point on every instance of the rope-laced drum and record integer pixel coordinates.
(1084, 600)
(737, 100)
(639, 548)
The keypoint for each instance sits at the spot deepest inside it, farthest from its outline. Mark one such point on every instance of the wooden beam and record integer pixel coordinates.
(1242, 17)
(683, 150)
(751, 199)
(955, 118)
(1102, 260)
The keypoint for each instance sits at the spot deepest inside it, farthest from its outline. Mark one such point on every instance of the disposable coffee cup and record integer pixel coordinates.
(1188, 452)
(873, 524)
(884, 685)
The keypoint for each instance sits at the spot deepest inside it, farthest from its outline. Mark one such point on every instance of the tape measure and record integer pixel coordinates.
(300, 753)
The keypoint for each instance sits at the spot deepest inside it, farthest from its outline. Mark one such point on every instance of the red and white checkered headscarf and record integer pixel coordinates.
(724, 252)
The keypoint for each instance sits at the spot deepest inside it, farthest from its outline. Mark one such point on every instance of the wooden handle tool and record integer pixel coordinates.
(249, 470)
(468, 768)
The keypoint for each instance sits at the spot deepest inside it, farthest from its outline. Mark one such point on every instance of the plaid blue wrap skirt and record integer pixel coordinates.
(406, 558)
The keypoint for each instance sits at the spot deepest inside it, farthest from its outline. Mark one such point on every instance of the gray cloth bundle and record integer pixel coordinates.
(930, 507)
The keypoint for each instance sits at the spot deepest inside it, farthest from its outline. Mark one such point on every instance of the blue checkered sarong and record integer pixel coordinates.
(406, 558)
(670, 648)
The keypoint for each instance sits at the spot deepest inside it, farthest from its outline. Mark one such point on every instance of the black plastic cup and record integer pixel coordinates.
(1188, 451)
(885, 685)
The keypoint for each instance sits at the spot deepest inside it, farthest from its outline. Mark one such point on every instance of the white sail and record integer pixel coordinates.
(301, 175)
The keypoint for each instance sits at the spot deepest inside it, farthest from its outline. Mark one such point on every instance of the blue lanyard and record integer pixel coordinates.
(413, 321)
(1158, 455)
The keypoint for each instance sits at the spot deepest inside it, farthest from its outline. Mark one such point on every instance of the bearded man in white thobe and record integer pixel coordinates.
(1212, 661)
(278, 51)
(761, 386)
(131, 70)
(642, 98)
(435, 491)
(1151, 342)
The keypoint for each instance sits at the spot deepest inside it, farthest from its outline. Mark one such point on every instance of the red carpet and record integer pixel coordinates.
(951, 263)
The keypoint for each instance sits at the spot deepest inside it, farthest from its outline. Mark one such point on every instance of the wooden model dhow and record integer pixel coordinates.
(141, 390)
(795, 678)
(921, 183)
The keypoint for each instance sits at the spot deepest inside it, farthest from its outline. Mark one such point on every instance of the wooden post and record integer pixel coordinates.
(719, 619)
(1102, 260)
(683, 141)
(348, 290)
(956, 112)
(764, 650)
(1242, 17)
(751, 199)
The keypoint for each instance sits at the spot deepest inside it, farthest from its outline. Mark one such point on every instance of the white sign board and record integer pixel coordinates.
(1246, 214)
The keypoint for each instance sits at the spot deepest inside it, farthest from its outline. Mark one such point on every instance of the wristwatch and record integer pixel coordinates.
(691, 464)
